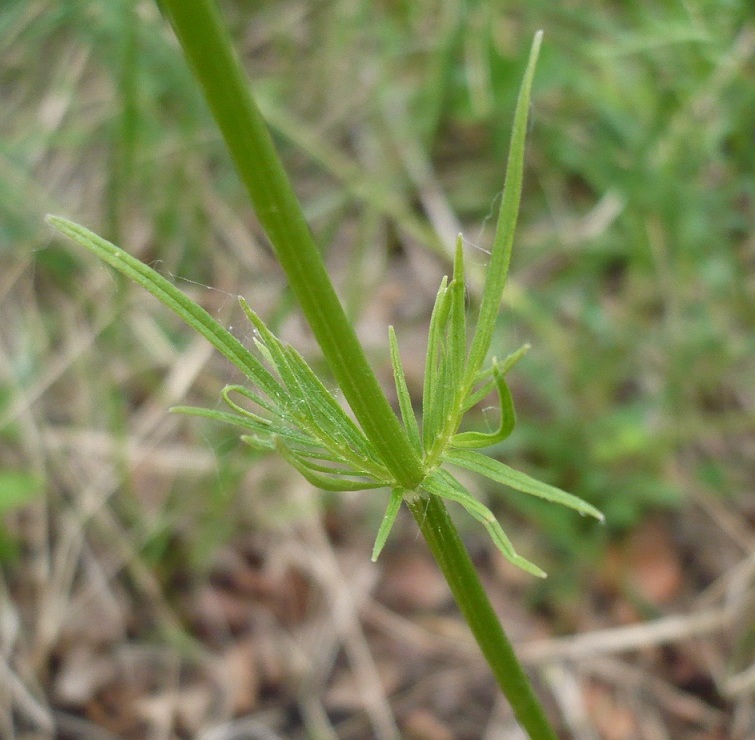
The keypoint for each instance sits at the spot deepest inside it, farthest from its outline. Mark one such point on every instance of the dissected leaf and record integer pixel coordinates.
(311, 406)
(251, 396)
(264, 435)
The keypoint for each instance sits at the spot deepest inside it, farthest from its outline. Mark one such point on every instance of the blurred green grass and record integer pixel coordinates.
(632, 273)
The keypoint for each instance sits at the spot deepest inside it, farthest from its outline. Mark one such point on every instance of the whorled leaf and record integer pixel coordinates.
(320, 476)
(296, 398)
(391, 512)
(500, 473)
(290, 410)
(402, 392)
(441, 483)
(487, 378)
(507, 419)
(167, 293)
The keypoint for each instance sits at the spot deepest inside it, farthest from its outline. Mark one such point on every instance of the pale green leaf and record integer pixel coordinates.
(487, 377)
(264, 432)
(272, 348)
(402, 391)
(312, 406)
(167, 293)
(327, 482)
(251, 396)
(442, 483)
(457, 329)
(500, 256)
(391, 512)
(507, 422)
(266, 444)
(500, 473)
(432, 412)
(330, 420)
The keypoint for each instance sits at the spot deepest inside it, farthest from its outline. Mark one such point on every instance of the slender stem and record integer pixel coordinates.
(454, 561)
(199, 28)
(200, 32)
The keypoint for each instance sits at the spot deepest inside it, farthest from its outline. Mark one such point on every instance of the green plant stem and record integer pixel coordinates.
(453, 559)
(200, 31)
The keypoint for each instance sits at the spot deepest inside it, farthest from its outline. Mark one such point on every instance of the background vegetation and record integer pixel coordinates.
(633, 278)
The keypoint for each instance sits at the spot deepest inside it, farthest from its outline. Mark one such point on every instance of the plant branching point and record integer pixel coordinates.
(286, 408)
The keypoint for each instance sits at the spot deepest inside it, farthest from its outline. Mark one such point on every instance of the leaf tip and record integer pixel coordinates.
(536, 43)
(589, 510)
(57, 222)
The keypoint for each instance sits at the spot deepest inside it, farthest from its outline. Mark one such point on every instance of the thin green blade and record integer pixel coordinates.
(500, 473)
(167, 293)
(389, 518)
(500, 257)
